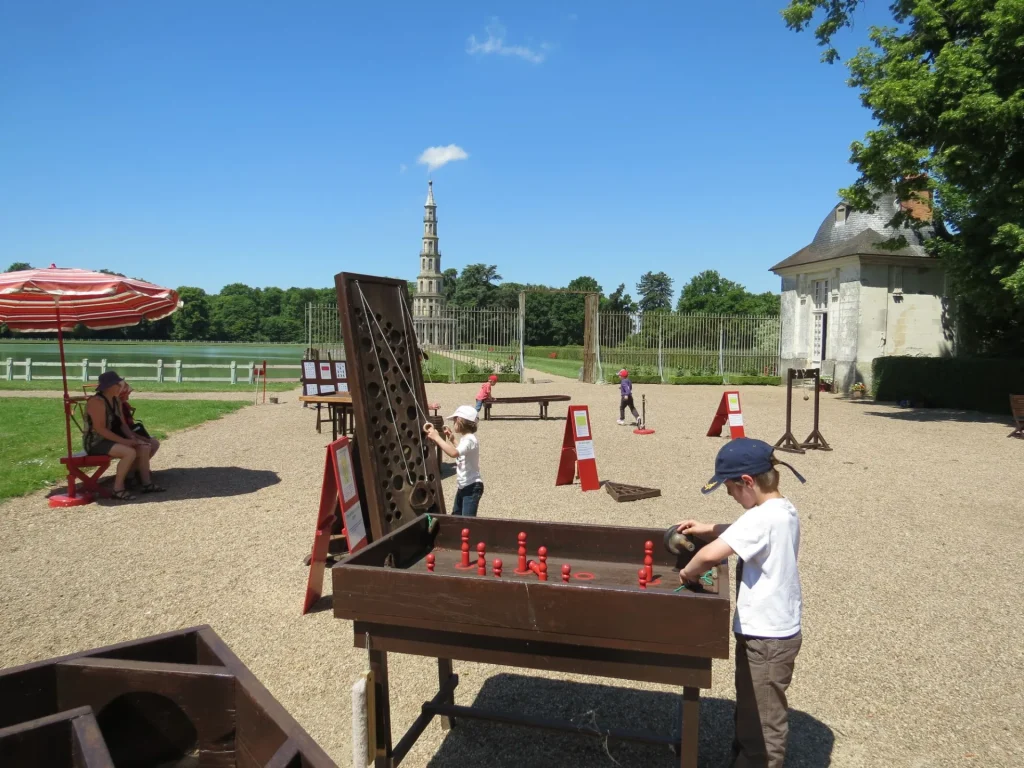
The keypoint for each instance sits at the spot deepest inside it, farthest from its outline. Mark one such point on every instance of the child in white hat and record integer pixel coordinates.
(467, 458)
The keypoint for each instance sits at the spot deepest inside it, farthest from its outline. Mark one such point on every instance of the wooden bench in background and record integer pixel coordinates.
(1017, 409)
(542, 400)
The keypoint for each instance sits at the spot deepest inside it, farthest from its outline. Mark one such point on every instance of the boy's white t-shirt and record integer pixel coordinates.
(467, 466)
(767, 539)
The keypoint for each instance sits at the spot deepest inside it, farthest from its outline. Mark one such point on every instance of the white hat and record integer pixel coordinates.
(467, 412)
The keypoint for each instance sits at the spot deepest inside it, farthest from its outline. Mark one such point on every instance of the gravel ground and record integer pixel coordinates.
(912, 539)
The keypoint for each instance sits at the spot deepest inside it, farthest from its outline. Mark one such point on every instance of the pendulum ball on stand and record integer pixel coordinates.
(641, 428)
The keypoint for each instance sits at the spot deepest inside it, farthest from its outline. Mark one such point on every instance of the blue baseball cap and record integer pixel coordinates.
(743, 456)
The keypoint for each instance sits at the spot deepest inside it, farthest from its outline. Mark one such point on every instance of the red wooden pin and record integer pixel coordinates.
(481, 559)
(566, 571)
(497, 568)
(430, 562)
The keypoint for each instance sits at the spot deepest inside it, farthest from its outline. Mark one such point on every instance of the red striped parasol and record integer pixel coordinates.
(56, 299)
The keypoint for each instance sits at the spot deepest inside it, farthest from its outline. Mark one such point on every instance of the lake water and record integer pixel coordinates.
(120, 353)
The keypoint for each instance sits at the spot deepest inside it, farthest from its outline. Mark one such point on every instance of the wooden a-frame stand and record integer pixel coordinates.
(815, 440)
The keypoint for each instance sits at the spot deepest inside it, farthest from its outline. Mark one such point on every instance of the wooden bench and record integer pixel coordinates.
(542, 400)
(1017, 409)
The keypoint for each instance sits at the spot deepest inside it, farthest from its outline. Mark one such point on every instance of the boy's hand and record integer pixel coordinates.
(428, 429)
(695, 528)
(685, 578)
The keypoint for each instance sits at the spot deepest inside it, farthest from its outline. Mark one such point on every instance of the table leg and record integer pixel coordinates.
(688, 731)
(334, 422)
(444, 673)
(382, 708)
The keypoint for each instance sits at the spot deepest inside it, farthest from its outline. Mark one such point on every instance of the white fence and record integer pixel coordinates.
(175, 371)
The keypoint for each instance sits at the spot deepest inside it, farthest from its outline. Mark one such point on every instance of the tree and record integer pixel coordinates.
(192, 321)
(475, 287)
(19, 266)
(945, 90)
(713, 294)
(449, 283)
(655, 289)
(618, 301)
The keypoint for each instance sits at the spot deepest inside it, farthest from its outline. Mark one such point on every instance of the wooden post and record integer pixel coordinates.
(10, 369)
(85, 370)
(28, 369)
(234, 372)
(160, 371)
(522, 336)
(177, 372)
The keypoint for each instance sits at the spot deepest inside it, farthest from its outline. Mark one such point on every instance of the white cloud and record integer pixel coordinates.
(402, 167)
(495, 43)
(435, 157)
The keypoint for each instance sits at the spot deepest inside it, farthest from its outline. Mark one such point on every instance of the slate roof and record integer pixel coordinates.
(858, 235)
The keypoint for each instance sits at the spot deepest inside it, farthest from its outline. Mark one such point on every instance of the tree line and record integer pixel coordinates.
(240, 313)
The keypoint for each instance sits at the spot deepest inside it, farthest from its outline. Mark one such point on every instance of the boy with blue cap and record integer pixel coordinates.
(766, 539)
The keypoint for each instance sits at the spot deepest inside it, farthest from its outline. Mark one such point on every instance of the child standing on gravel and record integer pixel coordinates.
(485, 391)
(766, 539)
(626, 399)
(467, 458)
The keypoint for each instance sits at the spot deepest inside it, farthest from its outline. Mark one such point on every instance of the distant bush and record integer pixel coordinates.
(771, 381)
(949, 382)
(695, 380)
(469, 378)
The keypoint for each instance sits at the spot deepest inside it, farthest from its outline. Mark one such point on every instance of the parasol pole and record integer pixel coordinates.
(64, 377)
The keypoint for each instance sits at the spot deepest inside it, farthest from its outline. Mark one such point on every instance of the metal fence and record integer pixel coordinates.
(462, 341)
(669, 344)
(323, 332)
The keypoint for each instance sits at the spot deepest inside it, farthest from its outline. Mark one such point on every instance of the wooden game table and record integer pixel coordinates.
(340, 405)
(599, 622)
(542, 400)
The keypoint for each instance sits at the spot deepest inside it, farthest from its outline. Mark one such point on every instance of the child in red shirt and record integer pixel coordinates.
(485, 391)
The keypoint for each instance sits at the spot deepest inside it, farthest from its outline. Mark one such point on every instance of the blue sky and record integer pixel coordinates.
(198, 143)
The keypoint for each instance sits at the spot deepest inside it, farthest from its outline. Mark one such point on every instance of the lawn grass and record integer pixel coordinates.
(32, 437)
(75, 387)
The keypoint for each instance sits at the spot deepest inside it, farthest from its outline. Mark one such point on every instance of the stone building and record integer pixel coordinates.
(846, 301)
(428, 301)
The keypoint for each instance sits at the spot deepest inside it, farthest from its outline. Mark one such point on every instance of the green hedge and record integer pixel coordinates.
(695, 380)
(949, 382)
(471, 378)
(771, 381)
(635, 379)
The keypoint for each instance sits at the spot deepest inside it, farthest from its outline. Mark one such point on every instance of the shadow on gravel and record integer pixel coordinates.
(942, 414)
(496, 745)
(193, 483)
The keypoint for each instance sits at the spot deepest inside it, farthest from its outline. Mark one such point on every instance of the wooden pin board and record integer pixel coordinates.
(400, 467)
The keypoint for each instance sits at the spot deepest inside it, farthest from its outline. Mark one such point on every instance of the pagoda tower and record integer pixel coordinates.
(428, 301)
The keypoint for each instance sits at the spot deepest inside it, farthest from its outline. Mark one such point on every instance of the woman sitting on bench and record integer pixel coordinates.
(106, 434)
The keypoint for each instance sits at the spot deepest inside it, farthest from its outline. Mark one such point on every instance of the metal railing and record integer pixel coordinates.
(175, 371)
(689, 344)
(460, 340)
(323, 332)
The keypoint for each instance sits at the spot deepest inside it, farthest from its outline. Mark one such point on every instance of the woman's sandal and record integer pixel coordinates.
(152, 488)
(122, 495)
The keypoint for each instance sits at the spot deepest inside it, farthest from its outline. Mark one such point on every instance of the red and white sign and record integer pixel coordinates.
(728, 411)
(578, 451)
(338, 497)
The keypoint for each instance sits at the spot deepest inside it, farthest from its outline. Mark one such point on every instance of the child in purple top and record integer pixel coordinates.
(626, 392)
